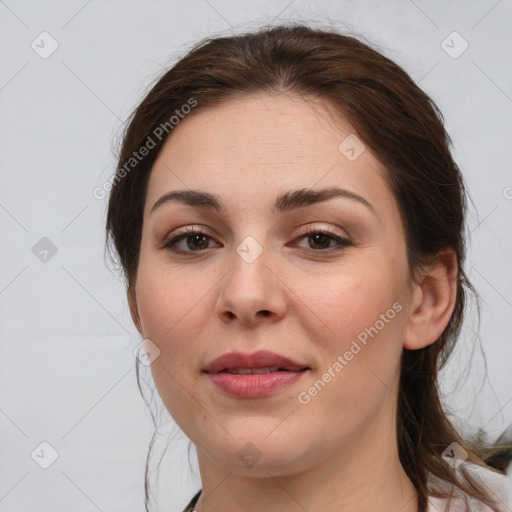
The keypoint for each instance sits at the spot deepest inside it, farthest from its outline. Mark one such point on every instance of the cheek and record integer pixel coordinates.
(169, 296)
(361, 313)
(172, 310)
(350, 301)
(172, 314)
(359, 355)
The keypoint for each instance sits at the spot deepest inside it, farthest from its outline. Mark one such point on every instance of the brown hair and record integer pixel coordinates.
(404, 128)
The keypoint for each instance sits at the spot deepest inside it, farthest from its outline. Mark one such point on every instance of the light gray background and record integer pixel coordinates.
(67, 365)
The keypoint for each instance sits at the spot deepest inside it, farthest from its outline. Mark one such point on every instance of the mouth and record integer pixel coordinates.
(255, 375)
(256, 363)
(256, 371)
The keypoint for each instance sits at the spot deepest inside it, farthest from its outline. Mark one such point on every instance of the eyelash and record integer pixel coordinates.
(342, 242)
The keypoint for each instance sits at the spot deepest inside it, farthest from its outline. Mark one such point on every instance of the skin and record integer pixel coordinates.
(339, 451)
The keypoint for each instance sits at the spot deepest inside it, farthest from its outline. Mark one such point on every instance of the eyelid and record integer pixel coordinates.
(323, 229)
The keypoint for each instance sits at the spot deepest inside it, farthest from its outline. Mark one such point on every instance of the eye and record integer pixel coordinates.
(196, 240)
(320, 239)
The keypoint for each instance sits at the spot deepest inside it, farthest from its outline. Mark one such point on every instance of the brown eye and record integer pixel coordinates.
(188, 241)
(197, 241)
(321, 240)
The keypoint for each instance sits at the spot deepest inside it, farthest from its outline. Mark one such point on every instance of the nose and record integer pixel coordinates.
(252, 292)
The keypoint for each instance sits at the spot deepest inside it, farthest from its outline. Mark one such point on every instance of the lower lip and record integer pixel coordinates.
(252, 385)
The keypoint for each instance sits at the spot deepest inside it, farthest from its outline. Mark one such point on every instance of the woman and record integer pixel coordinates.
(290, 223)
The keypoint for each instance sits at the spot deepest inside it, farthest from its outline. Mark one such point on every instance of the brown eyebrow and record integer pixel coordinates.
(283, 203)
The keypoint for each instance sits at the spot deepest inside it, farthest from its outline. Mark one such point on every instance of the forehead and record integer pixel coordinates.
(256, 144)
(262, 126)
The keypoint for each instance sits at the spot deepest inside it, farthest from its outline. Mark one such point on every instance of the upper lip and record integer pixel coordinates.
(260, 359)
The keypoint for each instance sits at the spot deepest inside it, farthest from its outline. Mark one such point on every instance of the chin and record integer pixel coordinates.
(257, 455)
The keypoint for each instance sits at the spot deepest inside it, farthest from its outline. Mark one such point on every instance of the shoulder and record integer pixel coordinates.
(499, 485)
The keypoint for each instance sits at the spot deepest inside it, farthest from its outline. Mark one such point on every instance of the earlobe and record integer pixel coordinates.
(134, 311)
(433, 302)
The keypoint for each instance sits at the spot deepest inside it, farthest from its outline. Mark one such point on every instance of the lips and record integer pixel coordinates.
(257, 375)
(256, 363)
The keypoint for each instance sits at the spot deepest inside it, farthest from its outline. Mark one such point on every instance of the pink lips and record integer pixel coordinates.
(230, 373)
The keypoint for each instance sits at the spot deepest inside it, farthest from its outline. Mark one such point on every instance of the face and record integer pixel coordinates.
(319, 279)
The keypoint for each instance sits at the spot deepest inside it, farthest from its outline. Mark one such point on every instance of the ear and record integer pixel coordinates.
(134, 311)
(433, 301)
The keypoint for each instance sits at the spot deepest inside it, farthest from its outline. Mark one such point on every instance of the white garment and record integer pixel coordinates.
(499, 485)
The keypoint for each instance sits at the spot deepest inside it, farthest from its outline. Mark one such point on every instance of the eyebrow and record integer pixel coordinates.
(284, 203)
